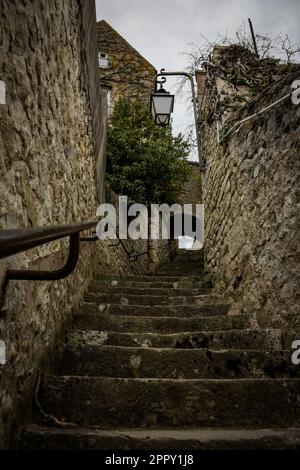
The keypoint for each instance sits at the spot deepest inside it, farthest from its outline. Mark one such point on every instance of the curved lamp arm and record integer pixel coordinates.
(164, 74)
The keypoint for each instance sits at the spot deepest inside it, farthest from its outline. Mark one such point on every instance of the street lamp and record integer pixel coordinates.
(162, 104)
(166, 117)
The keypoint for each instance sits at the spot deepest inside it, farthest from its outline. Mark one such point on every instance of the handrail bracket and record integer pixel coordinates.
(32, 275)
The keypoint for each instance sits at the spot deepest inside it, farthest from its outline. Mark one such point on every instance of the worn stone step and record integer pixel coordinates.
(183, 263)
(188, 267)
(157, 291)
(135, 299)
(135, 324)
(144, 278)
(269, 339)
(178, 272)
(187, 264)
(206, 309)
(43, 438)
(115, 361)
(154, 403)
(182, 269)
(146, 284)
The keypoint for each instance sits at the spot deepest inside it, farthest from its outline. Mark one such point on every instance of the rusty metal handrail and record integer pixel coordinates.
(131, 256)
(14, 241)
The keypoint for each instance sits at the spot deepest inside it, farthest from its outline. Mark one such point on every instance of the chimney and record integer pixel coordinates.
(201, 84)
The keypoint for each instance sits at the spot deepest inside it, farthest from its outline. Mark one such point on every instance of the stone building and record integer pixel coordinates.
(251, 184)
(123, 70)
(191, 193)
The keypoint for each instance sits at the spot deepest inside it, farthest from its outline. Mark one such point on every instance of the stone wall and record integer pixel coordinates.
(129, 74)
(251, 189)
(191, 193)
(89, 59)
(52, 147)
(47, 176)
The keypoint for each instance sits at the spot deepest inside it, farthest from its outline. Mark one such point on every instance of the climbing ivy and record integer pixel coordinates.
(145, 162)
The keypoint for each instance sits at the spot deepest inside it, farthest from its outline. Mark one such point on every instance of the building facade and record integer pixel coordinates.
(123, 70)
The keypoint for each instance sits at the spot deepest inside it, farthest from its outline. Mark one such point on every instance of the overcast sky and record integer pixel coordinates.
(162, 29)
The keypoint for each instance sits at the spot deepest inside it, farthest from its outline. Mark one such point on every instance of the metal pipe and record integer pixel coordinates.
(191, 79)
(14, 241)
(253, 37)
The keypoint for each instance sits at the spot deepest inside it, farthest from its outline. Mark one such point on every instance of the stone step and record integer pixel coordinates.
(183, 264)
(231, 339)
(186, 264)
(43, 438)
(185, 311)
(187, 268)
(184, 267)
(144, 278)
(135, 299)
(146, 284)
(136, 324)
(114, 361)
(157, 291)
(153, 403)
(183, 260)
(175, 273)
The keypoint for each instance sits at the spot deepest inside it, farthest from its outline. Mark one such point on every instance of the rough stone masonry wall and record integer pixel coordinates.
(49, 152)
(191, 193)
(47, 159)
(251, 196)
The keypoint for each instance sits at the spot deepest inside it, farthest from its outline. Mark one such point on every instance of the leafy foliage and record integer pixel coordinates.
(145, 162)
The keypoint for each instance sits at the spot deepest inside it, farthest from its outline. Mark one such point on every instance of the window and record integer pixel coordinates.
(104, 62)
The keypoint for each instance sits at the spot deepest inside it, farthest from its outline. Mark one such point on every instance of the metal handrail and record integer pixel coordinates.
(14, 241)
(130, 256)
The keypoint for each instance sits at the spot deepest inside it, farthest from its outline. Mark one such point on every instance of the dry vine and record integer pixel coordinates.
(48, 419)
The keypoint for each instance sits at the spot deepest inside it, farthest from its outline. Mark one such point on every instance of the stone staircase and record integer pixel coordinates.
(159, 363)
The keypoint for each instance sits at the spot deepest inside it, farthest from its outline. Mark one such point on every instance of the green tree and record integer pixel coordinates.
(145, 162)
